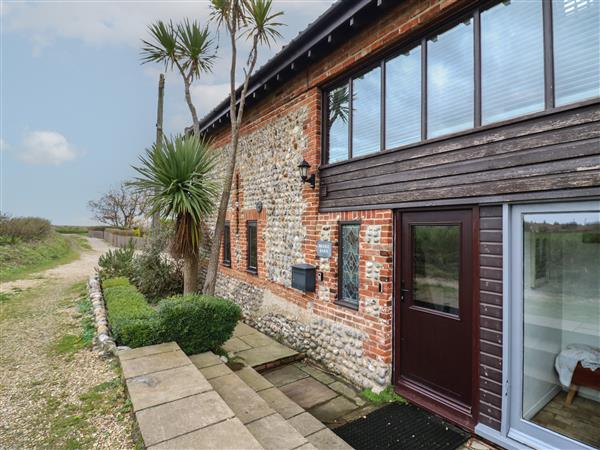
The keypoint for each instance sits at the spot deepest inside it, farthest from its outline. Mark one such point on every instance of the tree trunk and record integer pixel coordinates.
(190, 274)
(159, 135)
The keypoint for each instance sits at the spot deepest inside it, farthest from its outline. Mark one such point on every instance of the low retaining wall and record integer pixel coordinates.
(103, 340)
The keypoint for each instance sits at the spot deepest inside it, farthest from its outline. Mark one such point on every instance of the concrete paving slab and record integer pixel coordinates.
(274, 433)
(308, 392)
(280, 403)
(173, 419)
(257, 339)
(235, 345)
(202, 360)
(333, 409)
(245, 403)
(308, 446)
(241, 329)
(147, 351)
(306, 424)
(215, 371)
(284, 375)
(327, 439)
(348, 392)
(269, 353)
(165, 386)
(228, 435)
(153, 363)
(317, 374)
(253, 379)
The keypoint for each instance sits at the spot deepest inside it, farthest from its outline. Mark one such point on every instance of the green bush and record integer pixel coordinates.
(70, 229)
(155, 274)
(132, 321)
(117, 263)
(15, 229)
(197, 323)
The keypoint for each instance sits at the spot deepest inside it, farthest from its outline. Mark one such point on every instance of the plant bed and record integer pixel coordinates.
(196, 322)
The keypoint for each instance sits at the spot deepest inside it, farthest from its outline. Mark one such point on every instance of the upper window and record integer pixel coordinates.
(227, 244)
(403, 99)
(512, 60)
(348, 264)
(576, 25)
(492, 65)
(251, 246)
(450, 80)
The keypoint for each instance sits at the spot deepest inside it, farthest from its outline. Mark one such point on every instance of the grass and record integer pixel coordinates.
(71, 343)
(23, 258)
(386, 396)
(70, 229)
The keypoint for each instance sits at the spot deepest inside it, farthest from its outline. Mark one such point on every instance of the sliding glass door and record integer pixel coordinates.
(555, 325)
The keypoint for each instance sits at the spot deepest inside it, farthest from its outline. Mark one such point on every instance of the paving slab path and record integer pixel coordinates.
(56, 392)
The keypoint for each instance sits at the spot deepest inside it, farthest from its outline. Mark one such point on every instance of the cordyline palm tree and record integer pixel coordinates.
(175, 176)
(186, 46)
(255, 20)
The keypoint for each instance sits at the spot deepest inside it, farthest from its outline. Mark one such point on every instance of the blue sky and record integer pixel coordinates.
(77, 108)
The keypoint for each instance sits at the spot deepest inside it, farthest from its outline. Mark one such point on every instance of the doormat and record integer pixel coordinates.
(397, 426)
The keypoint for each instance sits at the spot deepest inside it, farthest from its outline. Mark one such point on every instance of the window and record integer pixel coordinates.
(227, 244)
(348, 264)
(450, 81)
(403, 99)
(251, 249)
(337, 122)
(366, 113)
(555, 288)
(576, 49)
(507, 60)
(512, 60)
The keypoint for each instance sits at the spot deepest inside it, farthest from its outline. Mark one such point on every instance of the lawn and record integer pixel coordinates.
(21, 258)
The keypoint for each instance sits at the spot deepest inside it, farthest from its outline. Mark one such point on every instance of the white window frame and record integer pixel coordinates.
(513, 425)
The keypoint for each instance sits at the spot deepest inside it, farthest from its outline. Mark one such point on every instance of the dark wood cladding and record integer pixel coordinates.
(557, 151)
(490, 315)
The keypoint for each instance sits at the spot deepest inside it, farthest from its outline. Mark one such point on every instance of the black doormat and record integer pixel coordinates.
(397, 426)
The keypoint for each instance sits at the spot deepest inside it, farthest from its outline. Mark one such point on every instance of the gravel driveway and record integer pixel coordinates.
(55, 392)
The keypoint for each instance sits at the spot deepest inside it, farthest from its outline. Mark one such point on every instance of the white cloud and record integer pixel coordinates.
(3, 145)
(46, 148)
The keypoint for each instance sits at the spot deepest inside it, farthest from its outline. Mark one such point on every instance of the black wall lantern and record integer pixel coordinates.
(304, 166)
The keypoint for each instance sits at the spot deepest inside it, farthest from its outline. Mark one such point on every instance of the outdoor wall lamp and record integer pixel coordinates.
(304, 166)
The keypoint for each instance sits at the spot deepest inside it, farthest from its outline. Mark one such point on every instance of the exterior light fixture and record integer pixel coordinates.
(304, 166)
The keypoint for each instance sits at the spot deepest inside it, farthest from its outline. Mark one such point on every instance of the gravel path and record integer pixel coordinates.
(55, 392)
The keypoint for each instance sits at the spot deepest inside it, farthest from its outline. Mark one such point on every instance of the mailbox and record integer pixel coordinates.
(303, 277)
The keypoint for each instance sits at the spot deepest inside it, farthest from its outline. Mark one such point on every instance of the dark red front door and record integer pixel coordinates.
(434, 309)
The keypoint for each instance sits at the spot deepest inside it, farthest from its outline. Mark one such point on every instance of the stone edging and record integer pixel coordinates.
(103, 340)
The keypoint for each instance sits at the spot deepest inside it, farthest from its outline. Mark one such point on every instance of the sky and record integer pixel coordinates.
(76, 105)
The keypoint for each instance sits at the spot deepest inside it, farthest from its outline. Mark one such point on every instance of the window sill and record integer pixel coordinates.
(226, 264)
(346, 305)
(252, 271)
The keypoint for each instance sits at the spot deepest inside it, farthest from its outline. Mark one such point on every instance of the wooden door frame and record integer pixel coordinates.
(453, 413)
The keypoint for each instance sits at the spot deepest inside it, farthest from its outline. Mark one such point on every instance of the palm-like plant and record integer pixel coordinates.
(186, 46)
(255, 20)
(176, 177)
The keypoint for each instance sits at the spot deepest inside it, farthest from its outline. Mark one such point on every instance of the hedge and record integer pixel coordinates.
(132, 321)
(197, 323)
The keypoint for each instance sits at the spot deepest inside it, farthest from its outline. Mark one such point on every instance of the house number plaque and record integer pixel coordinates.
(323, 249)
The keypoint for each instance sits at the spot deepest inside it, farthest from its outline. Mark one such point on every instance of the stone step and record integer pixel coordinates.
(271, 417)
(175, 406)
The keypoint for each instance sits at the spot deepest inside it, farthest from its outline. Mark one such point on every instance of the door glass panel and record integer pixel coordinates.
(436, 269)
(561, 333)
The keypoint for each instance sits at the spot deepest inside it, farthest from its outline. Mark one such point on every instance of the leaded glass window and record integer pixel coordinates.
(251, 246)
(348, 271)
(227, 244)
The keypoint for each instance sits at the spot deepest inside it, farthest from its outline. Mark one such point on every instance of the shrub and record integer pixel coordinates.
(70, 229)
(117, 263)
(197, 323)
(13, 229)
(154, 273)
(132, 321)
